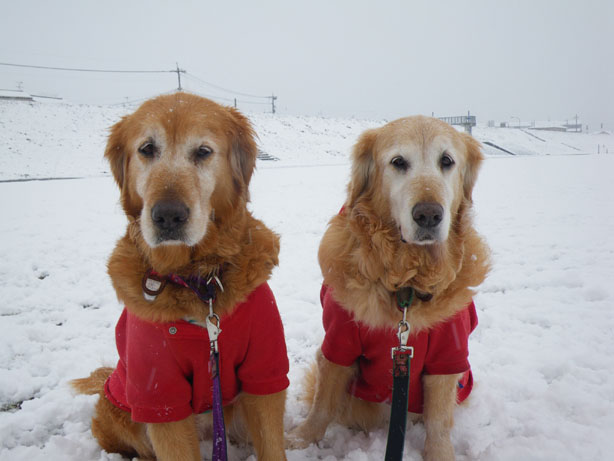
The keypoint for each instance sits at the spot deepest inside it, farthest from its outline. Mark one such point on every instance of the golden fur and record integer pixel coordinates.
(215, 188)
(364, 259)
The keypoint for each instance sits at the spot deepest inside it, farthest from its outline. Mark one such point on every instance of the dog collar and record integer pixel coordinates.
(153, 283)
(406, 295)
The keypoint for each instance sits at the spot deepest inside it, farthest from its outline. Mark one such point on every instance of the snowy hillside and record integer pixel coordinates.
(50, 140)
(542, 355)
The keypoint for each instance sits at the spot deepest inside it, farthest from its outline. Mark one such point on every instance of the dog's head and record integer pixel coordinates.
(417, 171)
(179, 160)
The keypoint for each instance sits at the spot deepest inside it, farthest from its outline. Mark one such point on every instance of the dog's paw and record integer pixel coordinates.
(438, 451)
(300, 437)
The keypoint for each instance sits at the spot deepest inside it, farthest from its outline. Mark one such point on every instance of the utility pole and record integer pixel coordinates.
(273, 98)
(179, 72)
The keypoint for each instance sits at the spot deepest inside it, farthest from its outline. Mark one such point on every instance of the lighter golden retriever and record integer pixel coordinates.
(184, 164)
(406, 222)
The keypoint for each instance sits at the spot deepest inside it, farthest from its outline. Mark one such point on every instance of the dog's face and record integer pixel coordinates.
(420, 169)
(179, 160)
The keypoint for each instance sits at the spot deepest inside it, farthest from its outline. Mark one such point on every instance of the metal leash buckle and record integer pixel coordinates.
(403, 335)
(402, 354)
(213, 329)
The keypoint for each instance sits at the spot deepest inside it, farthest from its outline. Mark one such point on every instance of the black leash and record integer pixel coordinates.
(401, 363)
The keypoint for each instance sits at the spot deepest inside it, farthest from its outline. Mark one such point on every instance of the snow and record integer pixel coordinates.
(57, 139)
(14, 94)
(542, 355)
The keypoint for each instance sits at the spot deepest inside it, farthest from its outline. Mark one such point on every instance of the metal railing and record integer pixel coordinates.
(460, 120)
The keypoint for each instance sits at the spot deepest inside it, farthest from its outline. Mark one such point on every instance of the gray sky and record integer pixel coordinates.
(534, 60)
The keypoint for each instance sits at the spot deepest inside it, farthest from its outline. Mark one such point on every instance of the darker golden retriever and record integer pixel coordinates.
(184, 164)
(406, 223)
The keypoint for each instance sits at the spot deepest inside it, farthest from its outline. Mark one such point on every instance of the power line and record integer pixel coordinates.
(222, 98)
(133, 101)
(88, 70)
(219, 98)
(178, 71)
(226, 89)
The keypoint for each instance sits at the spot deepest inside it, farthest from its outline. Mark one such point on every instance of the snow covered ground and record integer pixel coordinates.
(543, 354)
(51, 140)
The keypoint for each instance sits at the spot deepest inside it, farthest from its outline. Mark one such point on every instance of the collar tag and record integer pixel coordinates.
(152, 284)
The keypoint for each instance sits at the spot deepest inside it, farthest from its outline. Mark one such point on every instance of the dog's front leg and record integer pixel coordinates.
(439, 404)
(175, 441)
(330, 396)
(264, 417)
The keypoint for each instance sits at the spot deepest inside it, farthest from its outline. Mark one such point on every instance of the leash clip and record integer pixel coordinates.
(403, 335)
(213, 329)
(402, 355)
(404, 298)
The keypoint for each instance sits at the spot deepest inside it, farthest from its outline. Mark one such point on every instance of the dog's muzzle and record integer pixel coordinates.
(170, 217)
(428, 216)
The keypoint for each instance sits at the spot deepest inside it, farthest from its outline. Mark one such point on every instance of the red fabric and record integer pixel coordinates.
(442, 350)
(163, 369)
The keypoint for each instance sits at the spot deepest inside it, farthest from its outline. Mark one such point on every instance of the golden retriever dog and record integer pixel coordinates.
(183, 164)
(406, 222)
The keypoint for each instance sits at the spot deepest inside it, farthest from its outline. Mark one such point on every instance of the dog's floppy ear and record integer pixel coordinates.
(115, 152)
(363, 165)
(474, 161)
(244, 150)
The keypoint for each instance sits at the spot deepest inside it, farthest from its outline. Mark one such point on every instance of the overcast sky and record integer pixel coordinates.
(502, 60)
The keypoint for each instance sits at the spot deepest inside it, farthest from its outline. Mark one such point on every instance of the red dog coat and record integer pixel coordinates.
(441, 350)
(163, 369)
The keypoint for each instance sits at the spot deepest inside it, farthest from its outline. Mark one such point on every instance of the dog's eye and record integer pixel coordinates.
(446, 161)
(399, 163)
(203, 152)
(148, 149)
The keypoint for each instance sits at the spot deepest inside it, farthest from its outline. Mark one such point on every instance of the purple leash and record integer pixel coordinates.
(219, 431)
(153, 283)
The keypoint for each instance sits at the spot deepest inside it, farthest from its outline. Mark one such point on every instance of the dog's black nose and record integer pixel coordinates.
(427, 215)
(169, 214)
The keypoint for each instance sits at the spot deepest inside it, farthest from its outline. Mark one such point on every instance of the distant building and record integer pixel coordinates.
(549, 128)
(15, 95)
(466, 121)
(544, 126)
(557, 126)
